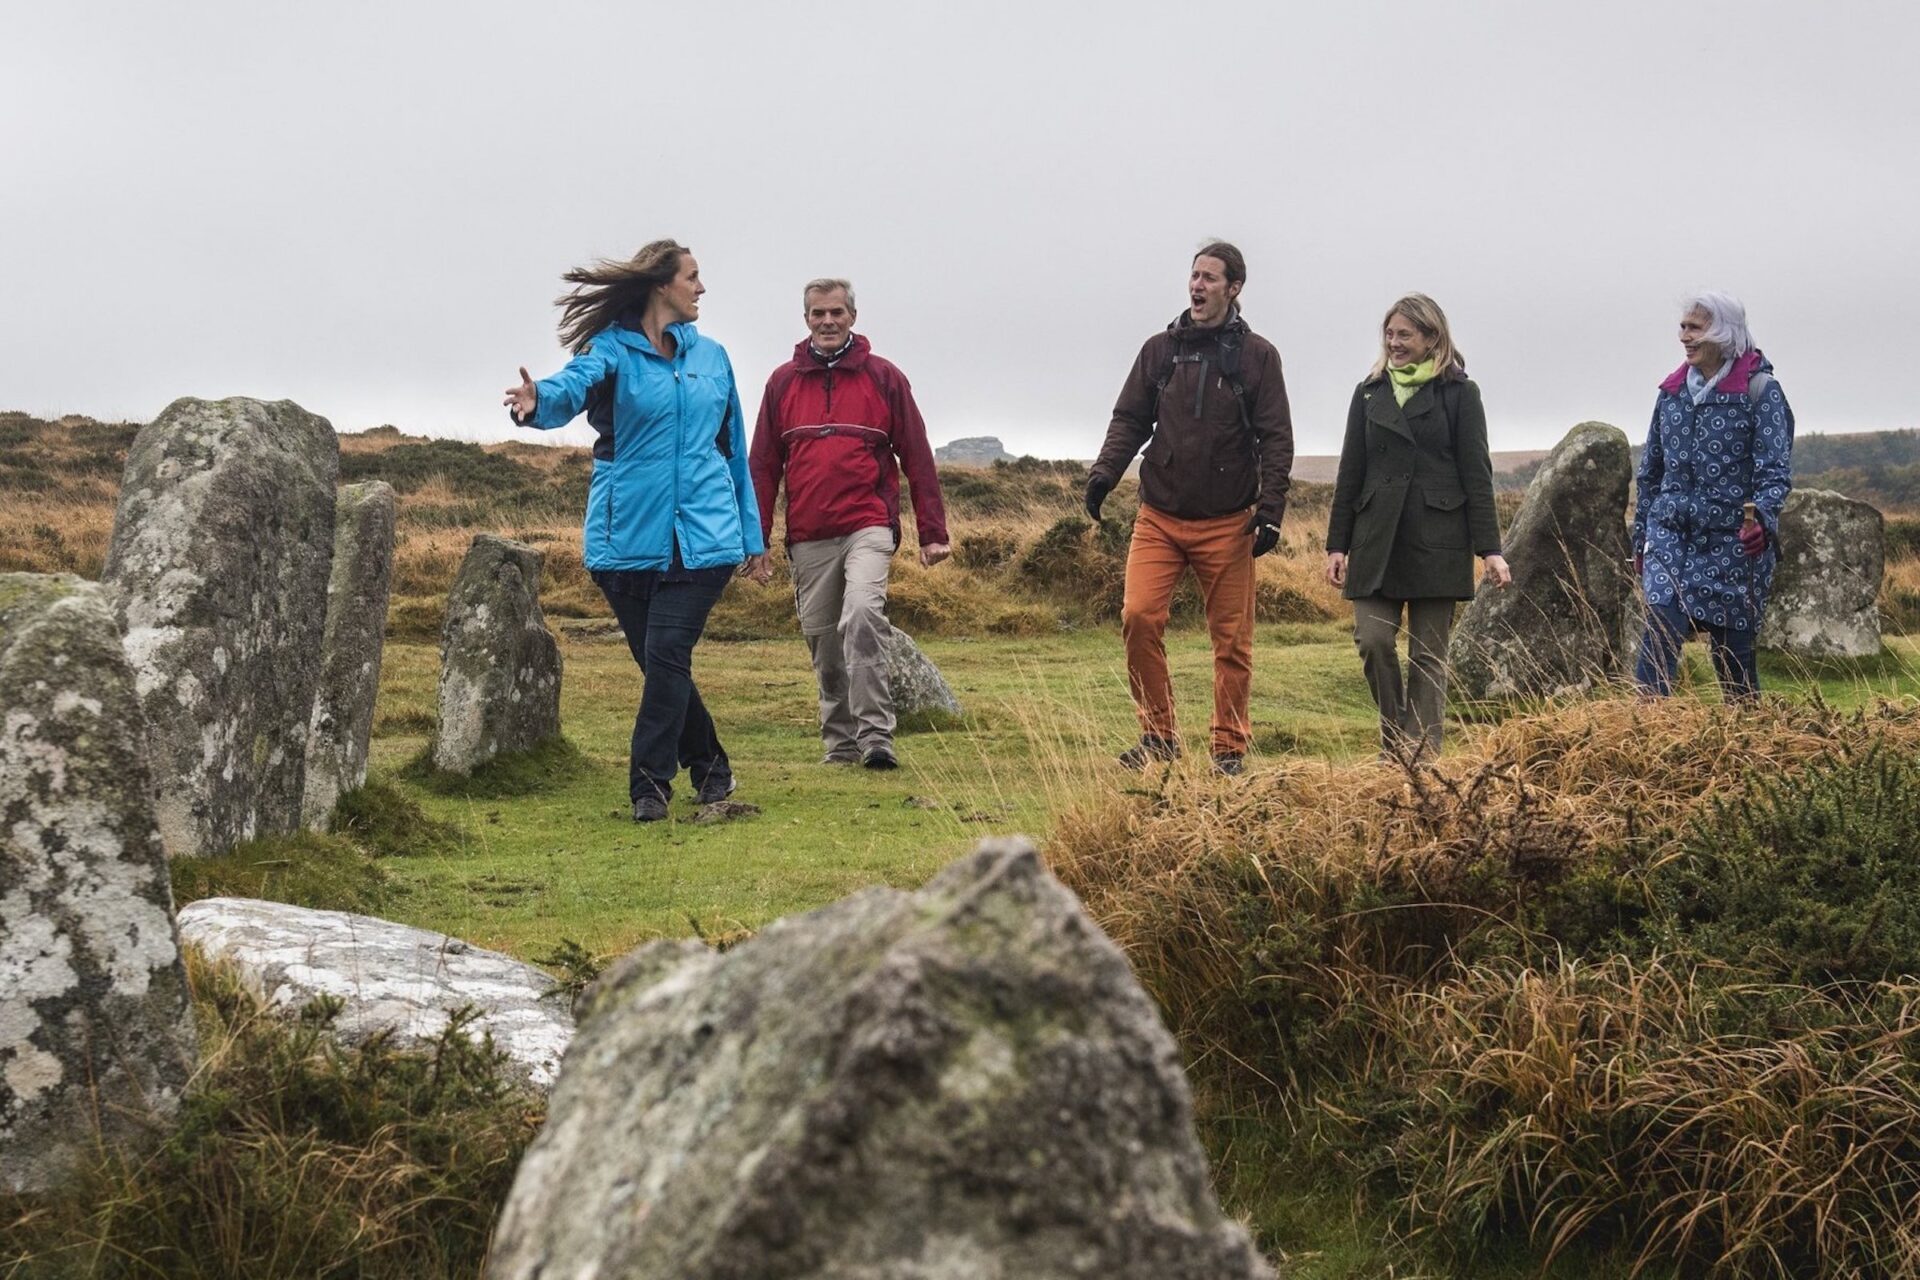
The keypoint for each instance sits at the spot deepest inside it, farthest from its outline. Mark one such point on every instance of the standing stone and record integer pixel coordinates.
(350, 650)
(96, 1039)
(915, 683)
(966, 1081)
(499, 665)
(1568, 621)
(1826, 590)
(220, 553)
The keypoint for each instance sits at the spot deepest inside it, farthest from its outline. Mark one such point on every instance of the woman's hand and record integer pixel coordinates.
(1497, 572)
(758, 568)
(1336, 568)
(523, 399)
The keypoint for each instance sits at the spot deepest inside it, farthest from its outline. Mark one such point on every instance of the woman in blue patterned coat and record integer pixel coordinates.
(1706, 519)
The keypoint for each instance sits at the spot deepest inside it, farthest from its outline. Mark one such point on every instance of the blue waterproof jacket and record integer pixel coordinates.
(671, 465)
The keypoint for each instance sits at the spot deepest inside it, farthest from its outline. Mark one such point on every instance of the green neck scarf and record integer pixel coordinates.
(1409, 378)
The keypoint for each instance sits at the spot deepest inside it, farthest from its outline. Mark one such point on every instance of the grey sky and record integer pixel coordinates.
(367, 207)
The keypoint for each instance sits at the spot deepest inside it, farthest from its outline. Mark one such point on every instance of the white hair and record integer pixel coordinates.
(827, 284)
(1726, 321)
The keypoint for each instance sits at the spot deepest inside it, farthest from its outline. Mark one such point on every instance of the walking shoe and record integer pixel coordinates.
(880, 757)
(714, 790)
(650, 808)
(1229, 763)
(1150, 748)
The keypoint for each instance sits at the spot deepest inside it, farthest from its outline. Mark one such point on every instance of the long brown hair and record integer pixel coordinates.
(1424, 314)
(608, 290)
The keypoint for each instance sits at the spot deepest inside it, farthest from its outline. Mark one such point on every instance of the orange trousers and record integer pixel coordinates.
(1220, 553)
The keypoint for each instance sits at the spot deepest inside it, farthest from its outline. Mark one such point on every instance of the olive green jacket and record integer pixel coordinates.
(1413, 503)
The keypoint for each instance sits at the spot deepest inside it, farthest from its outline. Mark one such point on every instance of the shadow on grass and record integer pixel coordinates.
(550, 765)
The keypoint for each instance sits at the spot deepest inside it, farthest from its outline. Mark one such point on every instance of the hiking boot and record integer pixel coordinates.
(1229, 764)
(650, 808)
(879, 757)
(1151, 748)
(714, 790)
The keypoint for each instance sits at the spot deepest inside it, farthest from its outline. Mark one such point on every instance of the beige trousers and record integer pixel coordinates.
(840, 590)
(1412, 712)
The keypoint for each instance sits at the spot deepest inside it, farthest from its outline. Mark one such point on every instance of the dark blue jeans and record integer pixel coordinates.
(1667, 629)
(662, 616)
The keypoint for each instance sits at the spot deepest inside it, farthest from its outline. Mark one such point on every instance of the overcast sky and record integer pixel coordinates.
(366, 207)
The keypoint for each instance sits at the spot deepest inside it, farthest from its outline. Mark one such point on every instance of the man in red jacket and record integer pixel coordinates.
(839, 423)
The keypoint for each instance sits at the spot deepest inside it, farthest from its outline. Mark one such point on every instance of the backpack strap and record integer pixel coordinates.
(1757, 383)
(1228, 349)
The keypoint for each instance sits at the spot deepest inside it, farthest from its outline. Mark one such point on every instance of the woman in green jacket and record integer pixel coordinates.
(1412, 506)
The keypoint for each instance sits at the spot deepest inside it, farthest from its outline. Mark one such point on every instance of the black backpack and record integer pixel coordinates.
(1227, 346)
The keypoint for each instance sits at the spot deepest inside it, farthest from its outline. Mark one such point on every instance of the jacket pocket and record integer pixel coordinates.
(1445, 524)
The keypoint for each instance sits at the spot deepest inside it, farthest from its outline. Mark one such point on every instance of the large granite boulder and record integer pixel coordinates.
(220, 553)
(392, 978)
(966, 1081)
(96, 1039)
(1570, 619)
(351, 647)
(499, 665)
(1827, 587)
(915, 684)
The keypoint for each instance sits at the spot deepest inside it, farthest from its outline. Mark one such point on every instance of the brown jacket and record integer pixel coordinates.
(1414, 500)
(1205, 456)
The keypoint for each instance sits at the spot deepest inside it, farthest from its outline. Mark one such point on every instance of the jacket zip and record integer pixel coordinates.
(1200, 391)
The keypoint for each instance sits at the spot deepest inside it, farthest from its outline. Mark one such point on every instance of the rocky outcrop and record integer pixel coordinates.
(351, 647)
(914, 683)
(1825, 591)
(1570, 619)
(499, 665)
(966, 1081)
(220, 554)
(96, 1039)
(972, 451)
(392, 978)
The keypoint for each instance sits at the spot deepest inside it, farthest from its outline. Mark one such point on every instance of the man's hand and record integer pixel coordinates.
(1336, 568)
(1266, 535)
(523, 399)
(1497, 572)
(1753, 538)
(1098, 487)
(759, 569)
(932, 553)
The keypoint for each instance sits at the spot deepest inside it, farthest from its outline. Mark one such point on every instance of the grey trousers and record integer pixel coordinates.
(1411, 713)
(840, 590)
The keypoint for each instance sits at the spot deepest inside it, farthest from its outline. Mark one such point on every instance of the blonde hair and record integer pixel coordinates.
(1424, 314)
(607, 290)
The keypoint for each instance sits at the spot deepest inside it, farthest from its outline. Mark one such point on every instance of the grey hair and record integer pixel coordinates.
(1726, 321)
(827, 284)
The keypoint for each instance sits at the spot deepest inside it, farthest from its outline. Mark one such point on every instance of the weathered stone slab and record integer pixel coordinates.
(96, 1039)
(914, 682)
(499, 665)
(220, 553)
(351, 648)
(392, 977)
(1833, 550)
(966, 1081)
(1570, 618)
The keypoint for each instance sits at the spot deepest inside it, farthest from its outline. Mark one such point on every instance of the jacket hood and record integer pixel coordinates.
(685, 336)
(856, 355)
(1735, 383)
(1184, 330)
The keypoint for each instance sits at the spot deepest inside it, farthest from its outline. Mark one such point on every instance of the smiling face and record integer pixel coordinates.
(1209, 291)
(681, 295)
(829, 319)
(1405, 343)
(1703, 355)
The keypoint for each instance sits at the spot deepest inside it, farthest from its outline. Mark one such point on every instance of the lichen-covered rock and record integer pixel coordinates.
(1569, 620)
(391, 978)
(96, 1039)
(1824, 605)
(220, 553)
(499, 665)
(966, 1081)
(350, 649)
(915, 684)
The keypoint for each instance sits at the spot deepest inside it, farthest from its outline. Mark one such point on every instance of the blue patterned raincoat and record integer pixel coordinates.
(1702, 464)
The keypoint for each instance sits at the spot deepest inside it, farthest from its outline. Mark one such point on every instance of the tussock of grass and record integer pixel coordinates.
(388, 823)
(306, 869)
(293, 1156)
(549, 765)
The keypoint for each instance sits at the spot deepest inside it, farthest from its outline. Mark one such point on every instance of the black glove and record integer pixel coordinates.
(1098, 487)
(1266, 534)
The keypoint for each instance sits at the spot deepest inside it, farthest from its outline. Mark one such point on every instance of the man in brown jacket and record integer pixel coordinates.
(1207, 398)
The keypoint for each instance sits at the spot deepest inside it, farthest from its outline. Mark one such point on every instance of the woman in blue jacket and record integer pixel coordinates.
(1706, 518)
(670, 513)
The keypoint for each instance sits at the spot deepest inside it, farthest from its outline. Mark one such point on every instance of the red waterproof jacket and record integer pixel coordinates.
(840, 435)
